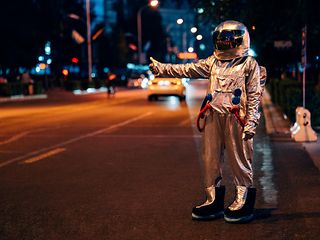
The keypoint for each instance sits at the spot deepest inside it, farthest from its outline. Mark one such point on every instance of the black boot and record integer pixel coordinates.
(241, 210)
(213, 207)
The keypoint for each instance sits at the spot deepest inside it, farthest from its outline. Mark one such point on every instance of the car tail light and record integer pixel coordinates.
(164, 83)
(176, 83)
(152, 83)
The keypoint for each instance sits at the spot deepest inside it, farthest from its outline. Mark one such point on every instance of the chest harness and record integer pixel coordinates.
(205, 106)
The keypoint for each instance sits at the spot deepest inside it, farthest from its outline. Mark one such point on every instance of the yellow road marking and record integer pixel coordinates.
(14, 138)
(76, 139)
(44, 155)
(185, 122)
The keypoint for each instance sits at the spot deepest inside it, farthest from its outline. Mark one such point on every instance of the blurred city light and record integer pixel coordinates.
(199, 37)
(133, 47)
(200, 10)
(106, 70)
(75, 60)
(187, 55)
(193, 30)
(202, 47)
(47, 48)
(65, 72)
(180, 21)
(73, 16)
(190, 49)
(97, 34)
(252, 52)
(154, 3)
(42, 66)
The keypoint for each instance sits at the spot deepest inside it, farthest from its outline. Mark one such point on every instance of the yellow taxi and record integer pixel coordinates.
(159, 87)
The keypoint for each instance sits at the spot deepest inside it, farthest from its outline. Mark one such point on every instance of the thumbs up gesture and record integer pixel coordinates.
(154, 66)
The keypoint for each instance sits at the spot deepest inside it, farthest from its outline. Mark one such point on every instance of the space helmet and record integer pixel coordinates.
(231, 40)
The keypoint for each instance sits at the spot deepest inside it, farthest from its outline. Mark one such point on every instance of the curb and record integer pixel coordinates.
(276, 122)
(17, 98)
(279, 129)
(313, 150)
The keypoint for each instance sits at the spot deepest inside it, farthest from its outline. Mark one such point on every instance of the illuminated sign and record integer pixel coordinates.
(187, 55)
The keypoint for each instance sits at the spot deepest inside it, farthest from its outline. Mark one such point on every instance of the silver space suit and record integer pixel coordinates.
(234, 80)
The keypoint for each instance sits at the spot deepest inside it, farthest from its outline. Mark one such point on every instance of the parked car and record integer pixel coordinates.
(166, 87)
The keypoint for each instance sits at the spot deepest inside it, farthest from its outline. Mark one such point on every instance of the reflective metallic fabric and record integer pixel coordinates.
(263, 76)
(229, 72)
(210, 194)
(240, 51)
(225, 77)
(241, 196)
(222, 141)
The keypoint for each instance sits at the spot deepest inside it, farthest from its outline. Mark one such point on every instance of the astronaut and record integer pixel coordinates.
(234, 81)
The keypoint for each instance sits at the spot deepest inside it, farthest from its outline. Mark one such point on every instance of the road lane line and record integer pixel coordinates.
(185, 122)
(21, 135)
(14, 138)
(62, 144)
(269, 191)
(44, 155)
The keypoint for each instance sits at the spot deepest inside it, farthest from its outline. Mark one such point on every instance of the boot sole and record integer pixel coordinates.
(209, 217)
(244, 219)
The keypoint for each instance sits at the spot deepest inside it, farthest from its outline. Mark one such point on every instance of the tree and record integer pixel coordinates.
(21, 36)
(120, 46)
(26, 26)
(267, 22)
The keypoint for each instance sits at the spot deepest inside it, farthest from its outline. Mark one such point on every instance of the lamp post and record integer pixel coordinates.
(183, 34)
(153, 4)
(89, 41)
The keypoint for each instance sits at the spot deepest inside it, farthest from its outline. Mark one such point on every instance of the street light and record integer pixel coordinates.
(180, 21)
(152, 4)
(183, 35)
(199, 37)
(193, 30)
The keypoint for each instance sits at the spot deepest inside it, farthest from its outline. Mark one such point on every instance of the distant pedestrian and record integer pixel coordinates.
(110, 83)
(28, 81)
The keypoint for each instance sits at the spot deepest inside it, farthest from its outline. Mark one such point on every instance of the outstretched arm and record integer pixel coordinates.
(200, 69)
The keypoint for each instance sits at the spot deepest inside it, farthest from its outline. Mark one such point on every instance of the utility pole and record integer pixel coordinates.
(304, 64)
(89, 41)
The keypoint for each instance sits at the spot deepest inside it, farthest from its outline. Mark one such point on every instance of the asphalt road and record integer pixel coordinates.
(92, 167)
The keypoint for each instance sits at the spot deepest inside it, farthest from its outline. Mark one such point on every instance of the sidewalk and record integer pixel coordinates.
(278, 127)
(52, 93)
(22, 98)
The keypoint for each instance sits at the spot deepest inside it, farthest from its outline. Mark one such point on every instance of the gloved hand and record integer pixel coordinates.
(247, 135)
(153, 66)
